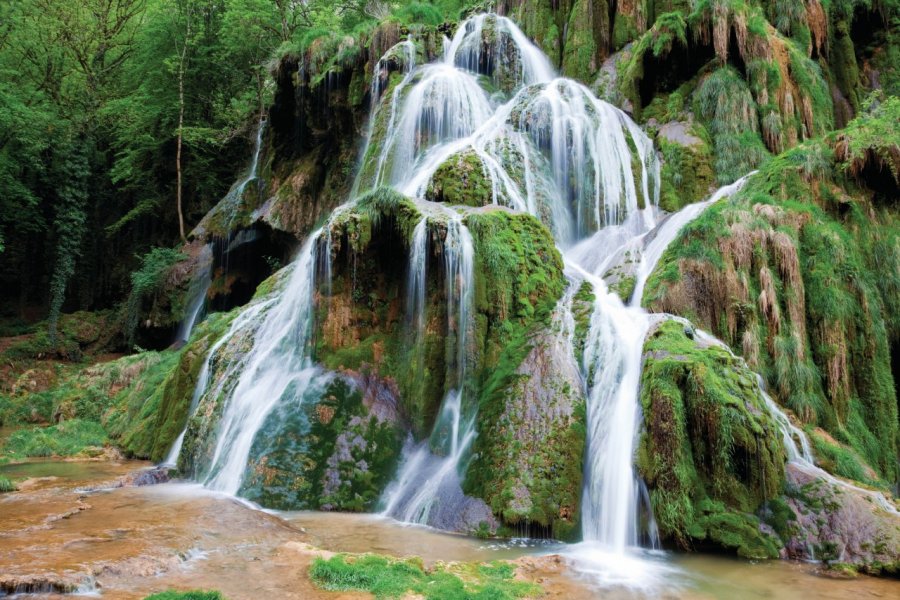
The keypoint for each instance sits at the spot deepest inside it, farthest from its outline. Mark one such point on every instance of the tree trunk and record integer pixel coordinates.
(182, 59)
(178, 149)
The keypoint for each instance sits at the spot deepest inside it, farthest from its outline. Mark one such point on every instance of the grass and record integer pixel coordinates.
(69, 438)
(395, 578)
(841, 461)
(190, 595)
(6, 485)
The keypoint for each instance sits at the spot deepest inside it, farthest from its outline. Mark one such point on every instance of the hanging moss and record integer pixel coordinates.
(725, 102)
(587, 39)
(686, 175)
(793, 273)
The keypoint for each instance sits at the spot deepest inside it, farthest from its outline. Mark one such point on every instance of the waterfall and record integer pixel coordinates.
(197, 295)
(200, 388)
(548, 146)
(415, 291)
(276, 368)
(428, 488)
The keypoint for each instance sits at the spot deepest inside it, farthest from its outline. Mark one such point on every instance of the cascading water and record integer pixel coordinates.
(197, 294)
(241, 321)
(428, 489)
(612, 367)
(277, 368)
(551, 148)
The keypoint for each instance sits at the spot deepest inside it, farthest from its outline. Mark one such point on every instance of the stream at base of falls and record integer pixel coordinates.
(67, 524)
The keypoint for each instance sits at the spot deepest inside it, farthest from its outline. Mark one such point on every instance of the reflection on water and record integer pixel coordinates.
(76, 471)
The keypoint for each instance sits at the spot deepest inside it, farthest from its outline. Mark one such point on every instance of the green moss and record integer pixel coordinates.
(739, 532)
(624, 30)
(518, 282)
(793, 271)
(726, 104)
(686, 174)
(331, 453)
(624, 287)
(396, 578)
(582, 309)
(587, 34)
(461, 180)
(841, 461)
(710, 454)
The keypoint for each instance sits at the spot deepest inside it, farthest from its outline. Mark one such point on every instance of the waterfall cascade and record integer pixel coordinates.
(544, 145)
(428, 488)
(548, 147)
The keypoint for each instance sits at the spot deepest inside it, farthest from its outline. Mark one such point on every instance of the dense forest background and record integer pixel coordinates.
(124, 121)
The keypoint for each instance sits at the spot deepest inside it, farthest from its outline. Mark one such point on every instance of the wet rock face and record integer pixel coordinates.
(334, 452)
(838, 526)
(534, 481)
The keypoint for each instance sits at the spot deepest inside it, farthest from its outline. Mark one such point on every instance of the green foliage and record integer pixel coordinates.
(872, 139)
(419, 13)
(69, 225)
(70, 438)
(395, 578)
(148, 280)
(191, 595)
(796, 275)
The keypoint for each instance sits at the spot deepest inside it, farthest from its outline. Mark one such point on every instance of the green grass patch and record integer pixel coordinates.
(191, 595)
(842, 461)
(394, 578)
(6, 485)
(69, 438)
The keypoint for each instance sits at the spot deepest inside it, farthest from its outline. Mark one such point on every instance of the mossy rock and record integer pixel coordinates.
(327, 451)
(792, 271)
(461, 180)
(709, 451)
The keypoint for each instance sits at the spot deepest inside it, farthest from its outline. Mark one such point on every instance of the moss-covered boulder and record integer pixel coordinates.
(709, 452)
(838, 525)
(527, 461)
(462, 180)
(365, 326)
(335, 450)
